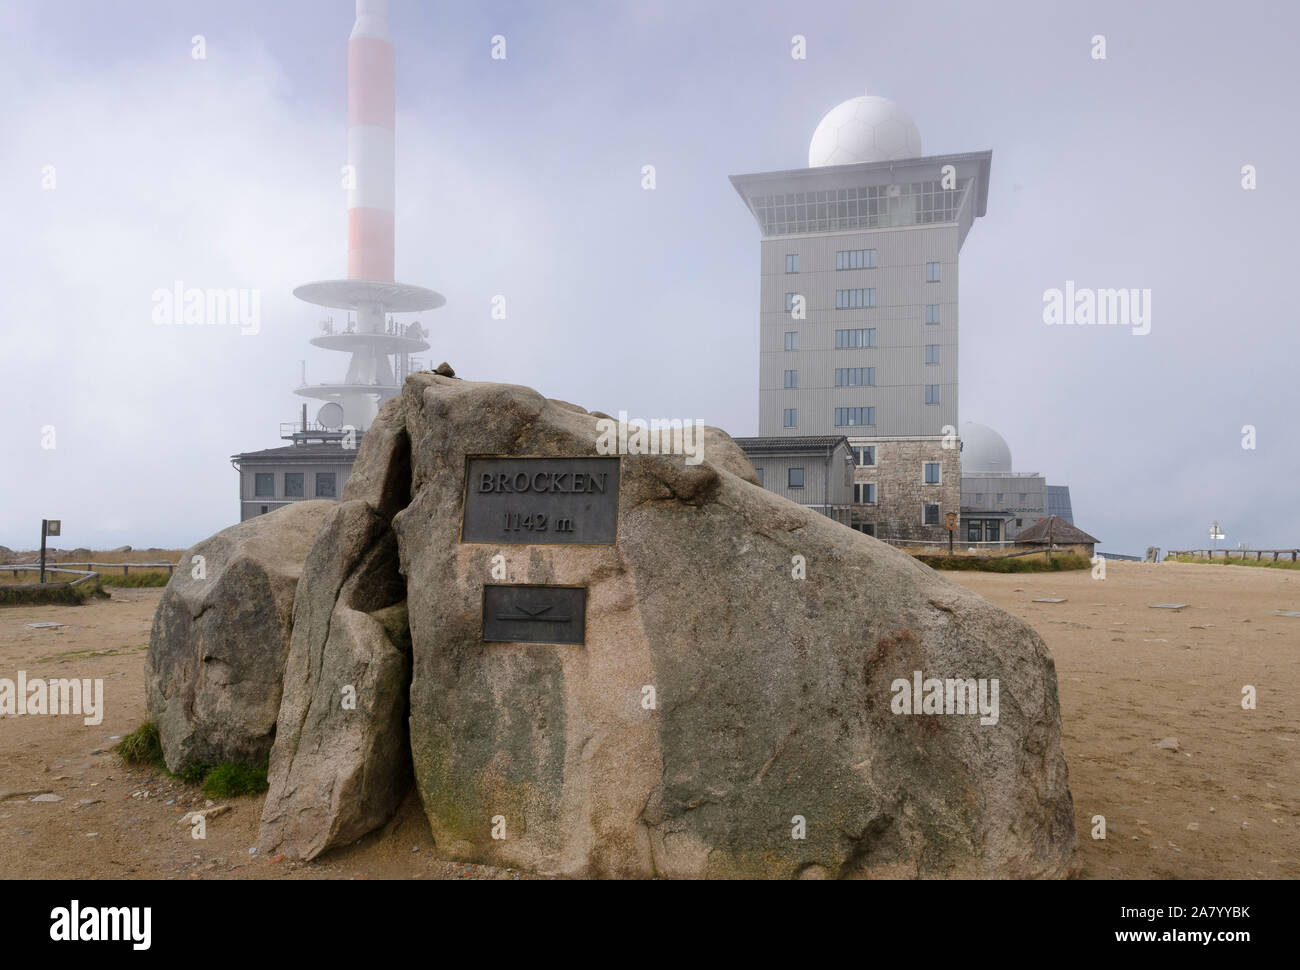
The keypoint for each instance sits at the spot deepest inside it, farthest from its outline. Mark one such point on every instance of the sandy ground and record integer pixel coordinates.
(1224, 805)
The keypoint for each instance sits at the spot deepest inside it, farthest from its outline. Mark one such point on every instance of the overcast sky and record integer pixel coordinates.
(522, 178)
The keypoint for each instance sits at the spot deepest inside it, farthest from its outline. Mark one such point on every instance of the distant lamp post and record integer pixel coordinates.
(49, 527)
(950, 519)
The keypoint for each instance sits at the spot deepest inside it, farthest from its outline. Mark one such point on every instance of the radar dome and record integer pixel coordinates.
(983, 450)
(864, 129)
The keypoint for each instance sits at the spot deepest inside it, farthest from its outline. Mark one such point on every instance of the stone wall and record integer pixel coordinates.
(901, 491)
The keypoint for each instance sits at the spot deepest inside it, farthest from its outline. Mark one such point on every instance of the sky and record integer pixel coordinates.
(127, 165)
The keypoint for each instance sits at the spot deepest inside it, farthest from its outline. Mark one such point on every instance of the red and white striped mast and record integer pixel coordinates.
(369, 290)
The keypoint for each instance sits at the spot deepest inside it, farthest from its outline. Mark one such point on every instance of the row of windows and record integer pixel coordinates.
(854, 299)
(264, 484)
(855, 259)
(860, 376)
(847, 339)
(858, 259)
(853, 417)
(863, 207)
(864, 493)
(853, 377)
(931, 309)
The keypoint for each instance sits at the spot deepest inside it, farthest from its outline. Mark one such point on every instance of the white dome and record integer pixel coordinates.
(983, 450)
(865, 129)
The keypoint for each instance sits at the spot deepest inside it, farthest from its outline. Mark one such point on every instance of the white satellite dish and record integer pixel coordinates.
(330, 415)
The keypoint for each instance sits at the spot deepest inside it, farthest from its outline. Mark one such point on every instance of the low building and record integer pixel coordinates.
(316, 464)
(998, 503)
(816, 472)
(1057, 534)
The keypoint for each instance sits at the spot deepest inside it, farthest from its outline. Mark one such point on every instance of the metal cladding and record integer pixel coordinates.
(371, 112)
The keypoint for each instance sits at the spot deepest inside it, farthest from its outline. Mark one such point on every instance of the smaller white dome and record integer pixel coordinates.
(864, 129)
(983, 449)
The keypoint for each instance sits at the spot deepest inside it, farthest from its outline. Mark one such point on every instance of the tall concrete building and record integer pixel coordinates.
(858, 318)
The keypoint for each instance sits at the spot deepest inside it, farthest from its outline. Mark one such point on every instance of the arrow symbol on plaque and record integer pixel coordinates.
(534, 613)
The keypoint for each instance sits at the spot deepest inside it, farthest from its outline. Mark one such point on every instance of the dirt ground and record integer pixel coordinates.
(1223, 805)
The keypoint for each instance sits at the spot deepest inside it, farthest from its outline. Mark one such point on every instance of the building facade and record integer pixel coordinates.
(858, 305)
(816, 472)
(316, 464)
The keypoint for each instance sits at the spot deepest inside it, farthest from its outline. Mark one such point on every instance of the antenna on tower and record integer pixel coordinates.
(372, 338)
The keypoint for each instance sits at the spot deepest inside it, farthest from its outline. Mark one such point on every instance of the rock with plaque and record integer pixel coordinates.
(633, 664)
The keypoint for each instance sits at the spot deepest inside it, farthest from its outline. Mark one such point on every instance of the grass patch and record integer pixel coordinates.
(1280, 564)
(1008, 564)
(51, 594)
(143, 748)
(230, 781)
(138, 580)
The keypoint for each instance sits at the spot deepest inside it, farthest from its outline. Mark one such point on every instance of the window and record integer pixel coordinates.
(789, 302)
(992, 529)
(855, 377)
(849, 339)
(855, 259)
(932, 272)
(792, 262)
(932, 353)
(865, 455)
(795, 478)
(792, 340)
(932, 394)
(1023, 496)
(859, 207)
(864, 493)
(293, 484)
(264, 485)
(325, 484)
(265, 509)
(792, 417)
(792, 378)
(932, 473)
(931, 514)
(760, 475)
(851, 417)
(854, 299)
(1019, 523)
(999, 498)
(974, 531)
(866, 528)
(932, 313)
(979, 498)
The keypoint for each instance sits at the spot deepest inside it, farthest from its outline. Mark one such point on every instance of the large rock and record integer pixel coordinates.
(219, 640)
(771, 692)
(341, 760)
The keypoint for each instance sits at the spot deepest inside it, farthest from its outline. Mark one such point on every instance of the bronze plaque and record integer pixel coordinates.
(535, 614)
(535, 501)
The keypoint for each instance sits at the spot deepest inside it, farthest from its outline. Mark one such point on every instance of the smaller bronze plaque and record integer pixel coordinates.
(535, 614)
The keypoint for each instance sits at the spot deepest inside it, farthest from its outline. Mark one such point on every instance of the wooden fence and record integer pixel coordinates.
(1258, 555)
